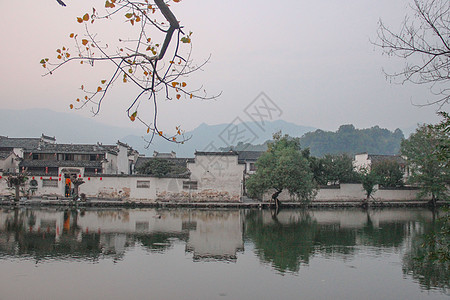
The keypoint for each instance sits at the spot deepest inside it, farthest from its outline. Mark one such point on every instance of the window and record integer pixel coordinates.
(50, 183)
(35, 156)
(143, 184)
(252, 167)
(68, 157)
(190, 185)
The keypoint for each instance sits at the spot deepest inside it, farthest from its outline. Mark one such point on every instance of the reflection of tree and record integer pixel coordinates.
(285, 246)
(160, 241)
(331, 239)
(386, 234)
(425, 268)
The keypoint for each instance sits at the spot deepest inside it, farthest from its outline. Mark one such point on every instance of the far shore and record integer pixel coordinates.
(67, 202)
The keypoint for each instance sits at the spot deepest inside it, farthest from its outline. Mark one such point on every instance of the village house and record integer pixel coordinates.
(366, 161)
(119, 172)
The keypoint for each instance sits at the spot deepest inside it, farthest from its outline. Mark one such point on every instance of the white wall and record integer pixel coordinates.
(10, 164)
(219, 177)
(353, 192)
(122, 160)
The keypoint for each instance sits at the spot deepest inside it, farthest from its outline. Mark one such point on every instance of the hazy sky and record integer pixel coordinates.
(314, 60)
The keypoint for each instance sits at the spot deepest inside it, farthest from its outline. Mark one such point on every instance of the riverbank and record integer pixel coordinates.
(248, 203)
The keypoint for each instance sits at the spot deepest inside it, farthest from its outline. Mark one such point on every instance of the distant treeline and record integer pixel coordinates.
(347, 139)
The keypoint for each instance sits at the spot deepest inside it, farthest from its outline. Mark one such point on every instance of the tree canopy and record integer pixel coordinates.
(428, 170)
(282, 167)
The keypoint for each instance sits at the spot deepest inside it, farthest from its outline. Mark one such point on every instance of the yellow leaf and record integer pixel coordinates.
(160, 133)
(103, 81)
(84, 42)
(79, 20)
(190, 96)
(148, 40)
(178, 96)
(59, 50)
(86, 17)
(174, 84)
(71, 106)
(67, 55)
(78, 99)
(183, 84)
(148, 130)
(59, 57)
(71, 35)
(132, 118)
(174, 139)
(99, 89)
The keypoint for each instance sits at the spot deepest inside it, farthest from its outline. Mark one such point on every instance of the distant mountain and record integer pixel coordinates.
(348, 139)
(66, 127)
(72, 128)
(214, 137)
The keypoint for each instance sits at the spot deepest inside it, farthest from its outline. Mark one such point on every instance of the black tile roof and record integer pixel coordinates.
(7, 142)
(249, 155)
(227, 153)
(5, 154)
(74, 148)
(378, 158)
(60, 163)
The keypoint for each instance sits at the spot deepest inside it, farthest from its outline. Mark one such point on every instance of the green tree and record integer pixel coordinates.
(428, 170)
(16, 181)
(339, 169)
(389, 173)
(368, 179)
(281, 167)
(160, 168)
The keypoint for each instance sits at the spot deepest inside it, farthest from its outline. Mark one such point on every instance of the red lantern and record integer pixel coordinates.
(101, 178)
(31, 177)
(46, 170)
(41, 178)
(50, 178)
(89, 178)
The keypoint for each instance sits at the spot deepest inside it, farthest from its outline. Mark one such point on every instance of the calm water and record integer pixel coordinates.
(217, 254)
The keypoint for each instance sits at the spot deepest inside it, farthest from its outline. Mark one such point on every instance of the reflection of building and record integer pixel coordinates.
(46, 233)
(217, 237)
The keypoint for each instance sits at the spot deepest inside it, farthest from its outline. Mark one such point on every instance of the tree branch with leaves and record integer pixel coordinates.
(157, 68)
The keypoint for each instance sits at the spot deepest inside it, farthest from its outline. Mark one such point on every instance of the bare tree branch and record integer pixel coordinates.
(424, 43)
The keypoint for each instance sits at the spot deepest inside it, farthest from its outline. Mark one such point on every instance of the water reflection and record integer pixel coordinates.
(286, 240)
(55, 234)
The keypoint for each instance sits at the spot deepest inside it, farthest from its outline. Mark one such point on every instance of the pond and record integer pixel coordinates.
(53, 253)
